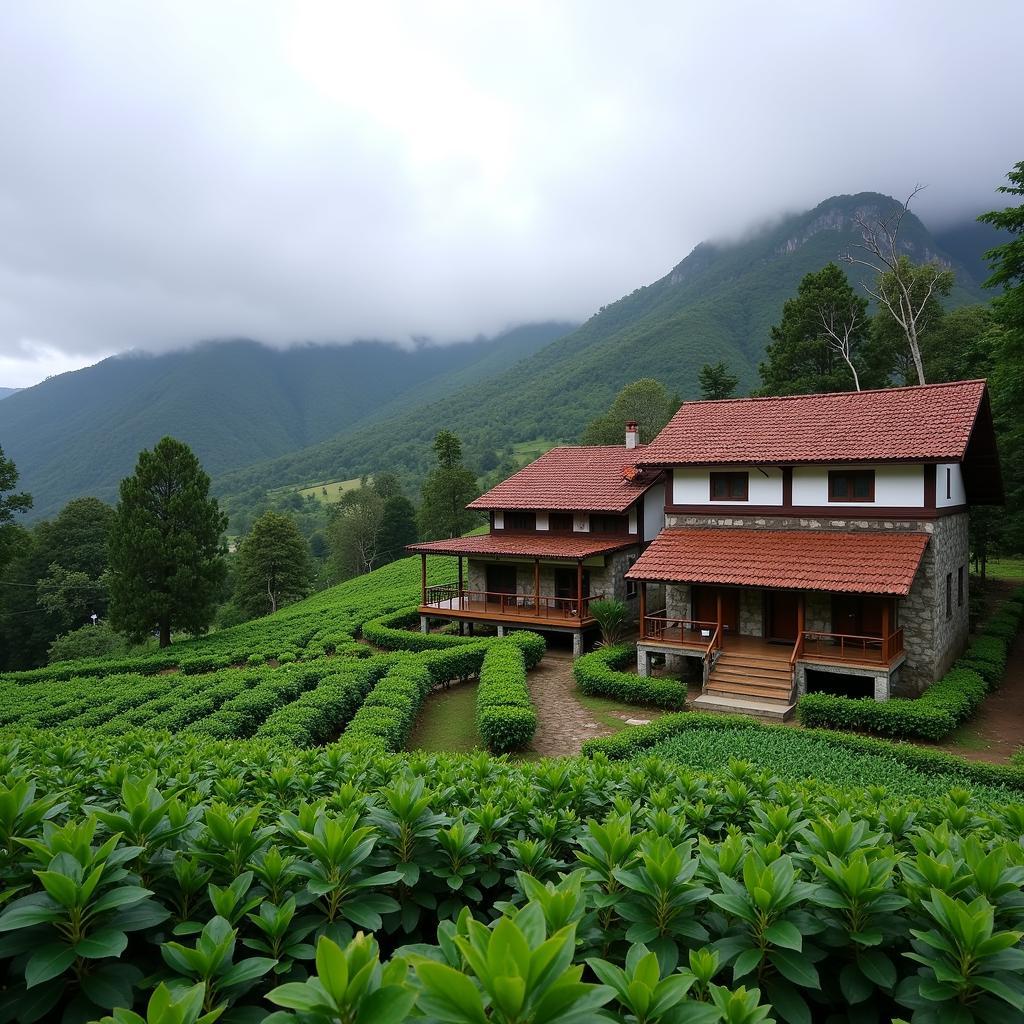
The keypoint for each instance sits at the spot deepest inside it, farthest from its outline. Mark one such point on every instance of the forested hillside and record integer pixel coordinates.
(7, 392)
(234, 402)
(717, 304)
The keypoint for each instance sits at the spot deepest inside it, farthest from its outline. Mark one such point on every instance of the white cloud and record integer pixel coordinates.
(315, 170)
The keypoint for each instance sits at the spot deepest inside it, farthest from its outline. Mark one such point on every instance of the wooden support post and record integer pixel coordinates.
(460, 583)
(579, 588)
(536, 586)
(718, 613)
(423, 577)
(885, 631)
(643, 609)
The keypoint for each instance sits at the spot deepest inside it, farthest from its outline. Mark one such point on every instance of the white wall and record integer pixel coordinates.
(692, 485)
(632, 520)
(580, 522)
(896, 486)
(542, 521)
(957, 491)
(499, 520)
(654, 511)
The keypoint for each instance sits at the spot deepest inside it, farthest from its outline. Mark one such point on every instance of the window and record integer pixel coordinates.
(632, 587)
(960, 587)
(609, 524)
(949, 595)
(949, 483)
(851, 485)
(521, 521)
(560, 522)
(729, 486)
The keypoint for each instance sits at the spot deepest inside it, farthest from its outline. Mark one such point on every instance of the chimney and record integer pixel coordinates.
(632, 434)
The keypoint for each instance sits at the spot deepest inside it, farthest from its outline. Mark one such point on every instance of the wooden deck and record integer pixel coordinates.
(522, 612)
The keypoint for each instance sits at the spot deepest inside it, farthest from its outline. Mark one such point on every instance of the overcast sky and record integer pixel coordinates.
(171, 172)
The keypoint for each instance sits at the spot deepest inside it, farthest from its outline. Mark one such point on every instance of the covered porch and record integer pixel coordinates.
(772, 613)
(523, 581)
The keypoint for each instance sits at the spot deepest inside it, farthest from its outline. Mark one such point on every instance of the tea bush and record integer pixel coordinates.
(180, 876)
(596, 676)
(943, 706)
(505, 716)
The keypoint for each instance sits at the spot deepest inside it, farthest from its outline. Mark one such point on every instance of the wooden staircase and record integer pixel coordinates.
(749, 683)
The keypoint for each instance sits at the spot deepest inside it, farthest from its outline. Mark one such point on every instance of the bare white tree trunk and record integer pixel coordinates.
(840, 327)
(880, 246)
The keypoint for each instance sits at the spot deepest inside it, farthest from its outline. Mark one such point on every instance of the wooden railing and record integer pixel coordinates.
(847, 647)
(449, 597)
(661, 628)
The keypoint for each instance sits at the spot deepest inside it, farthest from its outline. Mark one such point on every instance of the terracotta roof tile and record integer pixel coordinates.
(525, 545)
(929, 422)
(862, 562)
(580, 479)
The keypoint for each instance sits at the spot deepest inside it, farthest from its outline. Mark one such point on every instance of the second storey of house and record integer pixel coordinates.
(903, 453)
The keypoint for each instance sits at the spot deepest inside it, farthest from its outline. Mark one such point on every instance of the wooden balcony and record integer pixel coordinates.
(449, 600)
(814, 646)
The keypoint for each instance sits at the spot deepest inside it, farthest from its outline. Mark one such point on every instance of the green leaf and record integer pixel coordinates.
(246, 971)
(332, 969)
(878, 967)
(449, 995)
(25, 916)
(48, 962)
(797, 969)
(102, 943)
(746, 962)
(59, 887)
(306, 997)
(388, 1005)
(784, 933)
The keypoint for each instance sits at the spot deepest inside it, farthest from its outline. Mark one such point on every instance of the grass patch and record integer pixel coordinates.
(1005, 568)
(448, 722)
(794, 755)
(612, 714)
(330, 490)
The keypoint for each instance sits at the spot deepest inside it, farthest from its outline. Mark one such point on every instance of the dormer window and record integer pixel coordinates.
(525, 522)
(730, 486)
(851, 485)
(560, 522)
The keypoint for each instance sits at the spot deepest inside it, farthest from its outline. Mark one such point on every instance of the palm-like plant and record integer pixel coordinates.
(611, 619)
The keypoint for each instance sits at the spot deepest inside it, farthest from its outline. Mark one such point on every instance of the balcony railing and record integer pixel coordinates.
(448, 597)
(664, 629)
(813, 644)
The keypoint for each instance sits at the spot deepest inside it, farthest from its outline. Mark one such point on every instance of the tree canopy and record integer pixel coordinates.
(448, 488)
(10, 505)
(273, 565)
(166, 550)
(717, 381)
(645, 401)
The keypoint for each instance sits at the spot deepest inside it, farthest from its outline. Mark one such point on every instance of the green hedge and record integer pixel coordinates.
(389, 712)
(639, 739)
(394, 632)
(943, 706)
(505, 716)
(596, 676)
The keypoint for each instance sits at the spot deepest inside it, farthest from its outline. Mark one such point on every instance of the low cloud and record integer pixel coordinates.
(325, 172)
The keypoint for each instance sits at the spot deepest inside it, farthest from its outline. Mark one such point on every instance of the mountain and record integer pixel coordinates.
(234, 402)
(7, 392)
(968, 241)
(718, 303)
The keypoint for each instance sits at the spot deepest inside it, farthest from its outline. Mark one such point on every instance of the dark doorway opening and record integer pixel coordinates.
(705, 606)
(501, 579)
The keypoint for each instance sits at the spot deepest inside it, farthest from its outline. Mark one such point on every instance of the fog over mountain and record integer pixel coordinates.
(175, 172)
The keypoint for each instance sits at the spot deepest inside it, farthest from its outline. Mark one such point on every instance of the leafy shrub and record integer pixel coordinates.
(389, 712)
(505, 716)
(596, 676)
(611, 620)
(91, 641)
(395, 632)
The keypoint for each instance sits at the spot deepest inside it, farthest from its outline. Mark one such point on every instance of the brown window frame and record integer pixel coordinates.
(560, 522)
(523, 517)
(731, 478)
(851, 474)
(600, 520)
(949, 484)
(949, 595)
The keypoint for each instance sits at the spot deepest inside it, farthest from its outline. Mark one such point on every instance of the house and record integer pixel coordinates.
(562, 533)
(816, 542)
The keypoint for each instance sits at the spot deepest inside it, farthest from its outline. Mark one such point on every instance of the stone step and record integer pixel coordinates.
(774, 711)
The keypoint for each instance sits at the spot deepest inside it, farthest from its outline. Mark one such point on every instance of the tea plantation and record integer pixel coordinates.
(233, 832)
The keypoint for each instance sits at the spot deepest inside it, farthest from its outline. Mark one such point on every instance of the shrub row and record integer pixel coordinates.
(505, 715)
(596, 676)
(389, 712)
(640, 739)
(394, 632)
(943, 706)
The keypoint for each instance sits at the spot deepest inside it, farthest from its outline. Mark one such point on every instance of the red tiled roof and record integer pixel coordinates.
(862, 563)
(928, 422)
(525, 545)
(581, 479)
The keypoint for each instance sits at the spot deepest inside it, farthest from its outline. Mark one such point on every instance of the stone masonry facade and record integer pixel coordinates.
(933, 640)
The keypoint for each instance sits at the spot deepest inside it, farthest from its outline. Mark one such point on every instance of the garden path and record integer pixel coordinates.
(566, 719)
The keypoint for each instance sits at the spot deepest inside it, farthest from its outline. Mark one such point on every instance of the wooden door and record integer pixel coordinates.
(501, 579)
(705, 606)
(566, 583)
(783, 614)
(857, 615)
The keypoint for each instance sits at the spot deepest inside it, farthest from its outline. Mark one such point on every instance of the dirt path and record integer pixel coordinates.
(564, 721)
(997, 731)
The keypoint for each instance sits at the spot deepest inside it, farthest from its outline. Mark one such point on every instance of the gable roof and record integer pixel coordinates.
(526, 545)
(579, 479)
(925, 423)
(862, 563)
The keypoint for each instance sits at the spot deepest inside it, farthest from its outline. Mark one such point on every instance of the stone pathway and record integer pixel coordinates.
(564, 724)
